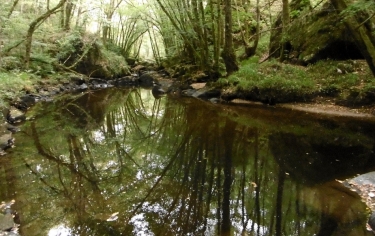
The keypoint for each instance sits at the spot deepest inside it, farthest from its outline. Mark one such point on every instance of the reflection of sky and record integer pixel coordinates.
(60, 230)
(141, 226)
(148, 110)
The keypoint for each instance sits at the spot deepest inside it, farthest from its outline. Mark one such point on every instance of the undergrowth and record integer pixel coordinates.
(344, 80)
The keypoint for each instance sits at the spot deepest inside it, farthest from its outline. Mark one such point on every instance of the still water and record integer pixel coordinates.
(119, 162)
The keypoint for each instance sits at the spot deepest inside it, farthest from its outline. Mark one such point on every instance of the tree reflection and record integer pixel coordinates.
(177, 167)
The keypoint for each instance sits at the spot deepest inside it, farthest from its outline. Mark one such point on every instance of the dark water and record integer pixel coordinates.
(119, 162)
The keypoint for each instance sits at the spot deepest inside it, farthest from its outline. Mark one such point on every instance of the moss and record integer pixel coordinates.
(89, 56)
(290, 83)
(316, 35)
(12, 84)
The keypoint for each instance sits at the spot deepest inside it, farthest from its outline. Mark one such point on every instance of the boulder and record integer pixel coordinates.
(146, 80)
(92, 58)
(319, 35)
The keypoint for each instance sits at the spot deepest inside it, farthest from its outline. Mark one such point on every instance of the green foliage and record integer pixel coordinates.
(42, 64)
(87, 54)
(263, 44)
(295, 13)
(110, 46)
(114, 64)
(241, 16)
(357, 6)
(69, 45)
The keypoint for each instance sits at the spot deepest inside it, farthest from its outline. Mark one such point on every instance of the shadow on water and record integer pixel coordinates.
(119, 162)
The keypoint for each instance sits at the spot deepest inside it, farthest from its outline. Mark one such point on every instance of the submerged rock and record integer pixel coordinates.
(6, 222)
(6, 137)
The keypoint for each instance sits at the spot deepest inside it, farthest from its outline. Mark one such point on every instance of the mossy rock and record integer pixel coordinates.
(94, 59)
(321, 34)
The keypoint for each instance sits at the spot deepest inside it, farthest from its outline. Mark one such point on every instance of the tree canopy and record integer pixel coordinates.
(212, 34)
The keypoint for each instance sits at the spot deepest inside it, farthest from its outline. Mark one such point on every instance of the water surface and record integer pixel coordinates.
(120, 162)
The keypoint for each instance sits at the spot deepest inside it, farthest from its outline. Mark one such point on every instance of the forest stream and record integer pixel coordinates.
(118, 161)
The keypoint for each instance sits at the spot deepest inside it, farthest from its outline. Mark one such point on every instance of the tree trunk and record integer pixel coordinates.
(109, 14)
(227, 163)
(362, 35)
(250, 50)
(215, 32)
(33, 26)
(68, 15)
(228, 53)
(279, 202)
(285, 20)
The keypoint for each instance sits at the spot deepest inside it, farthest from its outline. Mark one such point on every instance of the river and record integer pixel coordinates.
(120, 162)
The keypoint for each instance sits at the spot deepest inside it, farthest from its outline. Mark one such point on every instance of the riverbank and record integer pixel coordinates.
(323, 107)
(322, 89)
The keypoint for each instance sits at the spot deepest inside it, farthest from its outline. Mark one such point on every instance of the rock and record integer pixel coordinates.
(158, 91)
(125, 81)
(97, 81)
(6, 137)
(209, 93)
(364, 179)
(28, 100)
(198, 85)
(6, 141)
(11, 233)
(15, 115)
(146, 80)
(11, 128)
(131, 61)
(320, 36)
(188, 92)
(138, 68)
(83, 86)
(214, 100)
(371, 221)
(6, 222)
(77, 79)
